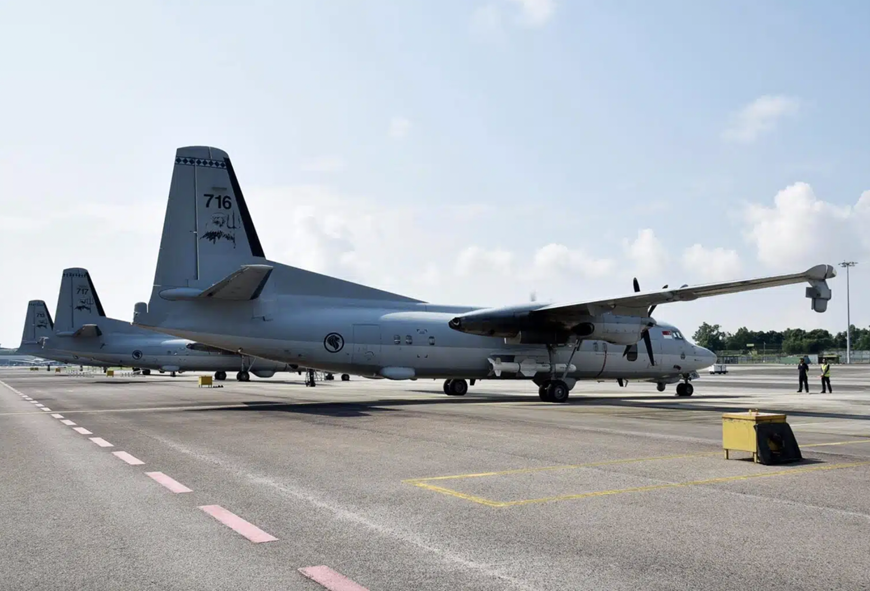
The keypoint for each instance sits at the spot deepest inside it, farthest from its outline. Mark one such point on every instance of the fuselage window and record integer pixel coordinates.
(408, 340)
(431, 340)
(397, 339)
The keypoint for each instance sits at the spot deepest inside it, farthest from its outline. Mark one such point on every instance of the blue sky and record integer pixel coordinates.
(460, 152)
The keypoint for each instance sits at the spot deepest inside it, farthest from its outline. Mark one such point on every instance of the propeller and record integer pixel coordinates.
(647, 341)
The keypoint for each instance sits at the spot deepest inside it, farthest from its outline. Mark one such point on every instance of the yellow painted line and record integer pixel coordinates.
(683, 484)
(838, 443)
(456, 493)
(565, 467)
(651, 487)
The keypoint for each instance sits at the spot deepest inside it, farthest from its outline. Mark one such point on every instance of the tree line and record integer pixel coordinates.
(793, 341)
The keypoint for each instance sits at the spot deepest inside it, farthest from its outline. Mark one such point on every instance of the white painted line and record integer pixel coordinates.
(237, 524)
(101, 442)
(168, 482)
(34, 402)
(328, 578)
(128, 458)
(46, 409)
(68, 423)
(56, 416)
(82, 431)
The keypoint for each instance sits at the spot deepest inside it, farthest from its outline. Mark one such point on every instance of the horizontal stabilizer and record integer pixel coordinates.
(244, 284)
(206, 348)
(84, 331)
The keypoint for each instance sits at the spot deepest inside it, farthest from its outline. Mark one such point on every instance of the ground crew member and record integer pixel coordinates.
(803, 382)
(826, 377)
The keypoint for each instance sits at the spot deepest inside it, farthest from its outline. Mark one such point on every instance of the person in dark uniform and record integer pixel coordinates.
(803, 382)
(826, 377)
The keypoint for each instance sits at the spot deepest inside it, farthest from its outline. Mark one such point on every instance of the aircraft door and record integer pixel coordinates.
(366, 344)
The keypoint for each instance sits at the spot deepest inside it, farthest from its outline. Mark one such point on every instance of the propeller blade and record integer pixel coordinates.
(648, 342)
(620, 382)
(627, 349)
(651, 310)
(636, 285)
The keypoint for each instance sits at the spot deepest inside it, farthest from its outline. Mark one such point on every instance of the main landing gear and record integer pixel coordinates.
(243, 376)
(455, 387)
(220, 375)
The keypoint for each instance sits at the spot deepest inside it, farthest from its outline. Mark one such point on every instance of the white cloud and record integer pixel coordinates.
(323, 164)
(801, 229)
(647, 252)
(717, 264)
(558, 259)
(487, 23)
(475, 260)
(759, 116)
(535, 13)
(399, 127)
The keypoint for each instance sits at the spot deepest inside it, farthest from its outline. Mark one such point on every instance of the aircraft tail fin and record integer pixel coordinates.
(210, 250)
(78, 306)
(37, 323)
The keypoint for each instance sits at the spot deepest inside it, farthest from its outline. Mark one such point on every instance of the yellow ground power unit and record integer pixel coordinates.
(205, 381)
(767, 436)
(110, 373)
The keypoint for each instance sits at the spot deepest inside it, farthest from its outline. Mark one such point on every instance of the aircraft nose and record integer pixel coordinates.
(707, 356)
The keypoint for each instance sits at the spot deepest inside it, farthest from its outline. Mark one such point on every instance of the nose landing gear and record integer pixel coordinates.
(685, 389)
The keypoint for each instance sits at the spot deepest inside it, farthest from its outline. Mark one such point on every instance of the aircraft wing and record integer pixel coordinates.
(554, 322)
(638, 304)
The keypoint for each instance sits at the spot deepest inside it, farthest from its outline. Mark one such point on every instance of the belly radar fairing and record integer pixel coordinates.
(213, 284)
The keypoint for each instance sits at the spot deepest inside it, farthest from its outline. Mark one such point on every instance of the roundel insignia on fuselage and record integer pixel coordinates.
(137, 354)
(333, 342)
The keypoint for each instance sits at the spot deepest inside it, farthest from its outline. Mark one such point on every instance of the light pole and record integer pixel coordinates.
(847, 265)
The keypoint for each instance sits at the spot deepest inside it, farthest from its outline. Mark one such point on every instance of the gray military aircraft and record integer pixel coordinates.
(82, 329)
(38, 325)
(213, 284)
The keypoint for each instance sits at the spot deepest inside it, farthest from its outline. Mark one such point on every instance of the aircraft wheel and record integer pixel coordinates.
(685, 389)
(173, 374)
(220, 375)
(558, 391)
(345, 377)
(243, 376)
(447, 387)
(328, 377)
(146, 372)
(543, 394)
(660, 387)
(458, 387)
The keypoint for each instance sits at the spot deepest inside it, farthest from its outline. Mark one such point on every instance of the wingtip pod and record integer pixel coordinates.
(821, 272)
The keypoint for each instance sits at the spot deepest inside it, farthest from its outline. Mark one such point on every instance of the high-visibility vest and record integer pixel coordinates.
(826, 370)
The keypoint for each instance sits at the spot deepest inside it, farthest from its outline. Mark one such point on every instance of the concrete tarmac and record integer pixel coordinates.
(136, 482)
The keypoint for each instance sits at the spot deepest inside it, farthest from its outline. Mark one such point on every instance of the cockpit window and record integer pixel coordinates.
(678, 335)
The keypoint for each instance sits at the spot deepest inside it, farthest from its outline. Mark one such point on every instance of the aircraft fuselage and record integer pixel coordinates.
(407, 341)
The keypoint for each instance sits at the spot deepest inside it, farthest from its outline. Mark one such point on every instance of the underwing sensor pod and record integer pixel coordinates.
(214, 285)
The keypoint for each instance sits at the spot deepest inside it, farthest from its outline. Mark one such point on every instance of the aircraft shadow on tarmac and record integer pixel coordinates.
(367, 408)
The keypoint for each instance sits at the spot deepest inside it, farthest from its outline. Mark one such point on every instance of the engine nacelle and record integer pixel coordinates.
(617, 330)
(263, 373)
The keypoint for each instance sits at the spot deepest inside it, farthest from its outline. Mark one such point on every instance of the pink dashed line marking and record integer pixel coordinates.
(56, 416)
(68, 423)
(330, 579)
(128, 458)
(101, 442)
(237, 524)
(168, 482)
(82, 431)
